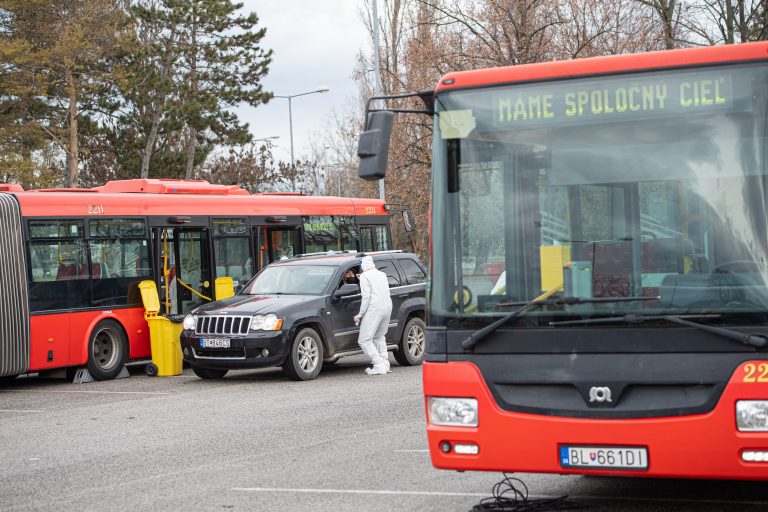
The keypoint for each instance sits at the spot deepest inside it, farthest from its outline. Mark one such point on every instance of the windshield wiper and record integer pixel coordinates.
(754, 340)
(541, 300)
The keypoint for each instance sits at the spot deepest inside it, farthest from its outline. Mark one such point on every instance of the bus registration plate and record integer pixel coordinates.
(604, 457)
(214, 343)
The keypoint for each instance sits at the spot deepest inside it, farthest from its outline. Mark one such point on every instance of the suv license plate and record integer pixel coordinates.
(214, 343)
(604, 457)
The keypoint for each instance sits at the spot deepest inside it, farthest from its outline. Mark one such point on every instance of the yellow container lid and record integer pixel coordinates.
(149, 297)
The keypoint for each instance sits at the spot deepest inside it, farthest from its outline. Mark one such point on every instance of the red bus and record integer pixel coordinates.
(72, 259)
(612, 317)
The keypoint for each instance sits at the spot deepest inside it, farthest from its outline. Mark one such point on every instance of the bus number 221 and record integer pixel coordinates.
(751, 370)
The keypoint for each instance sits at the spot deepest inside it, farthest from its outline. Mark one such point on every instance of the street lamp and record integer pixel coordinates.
(290, 118)
(271, 137)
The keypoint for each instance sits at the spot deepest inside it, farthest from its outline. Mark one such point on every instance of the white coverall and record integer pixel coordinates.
(375, 310)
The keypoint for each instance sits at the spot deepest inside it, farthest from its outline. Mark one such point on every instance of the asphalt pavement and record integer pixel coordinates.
(258, 441)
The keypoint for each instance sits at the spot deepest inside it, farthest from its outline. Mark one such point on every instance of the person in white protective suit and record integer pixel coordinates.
(375, 310)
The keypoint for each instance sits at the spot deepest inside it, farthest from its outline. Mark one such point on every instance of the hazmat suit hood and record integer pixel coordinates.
(367, 263)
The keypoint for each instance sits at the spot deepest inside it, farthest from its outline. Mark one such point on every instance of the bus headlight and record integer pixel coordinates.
(453, 412)
(752, 415)
(190, 322)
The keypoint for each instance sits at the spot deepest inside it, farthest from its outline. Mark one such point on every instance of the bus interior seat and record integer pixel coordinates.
(66, 271)
(221, 270)
(96, 271)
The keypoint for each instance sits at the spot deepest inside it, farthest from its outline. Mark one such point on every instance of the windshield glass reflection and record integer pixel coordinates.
(538, 188)
(291, 280)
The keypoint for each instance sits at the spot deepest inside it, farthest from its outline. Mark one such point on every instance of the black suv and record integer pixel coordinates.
(298, 313)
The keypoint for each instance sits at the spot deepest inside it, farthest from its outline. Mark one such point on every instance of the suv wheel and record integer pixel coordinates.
(305, 358)
(411, 349)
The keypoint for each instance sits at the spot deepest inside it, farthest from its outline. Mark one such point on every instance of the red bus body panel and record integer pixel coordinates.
(604, 65)
(695, 446)
(67, 334)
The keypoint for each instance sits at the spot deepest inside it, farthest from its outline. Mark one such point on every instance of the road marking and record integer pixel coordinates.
(488, 495)
(90, 392)
(411, 451)
(355, 491)
(19, 410)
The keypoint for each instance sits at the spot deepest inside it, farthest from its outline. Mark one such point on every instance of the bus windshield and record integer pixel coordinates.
(646, 187)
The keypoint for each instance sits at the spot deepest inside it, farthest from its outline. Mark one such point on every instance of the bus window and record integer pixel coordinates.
(57, 258)
(119, 260)
(321, 234)
(381, 233)
(348, 233)
(232, 250)
(366, 239)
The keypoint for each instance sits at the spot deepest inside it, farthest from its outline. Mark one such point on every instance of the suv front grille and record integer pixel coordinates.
(224, 325)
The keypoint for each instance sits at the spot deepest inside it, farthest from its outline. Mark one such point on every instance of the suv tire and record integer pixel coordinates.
(305, 358)
(410, 351)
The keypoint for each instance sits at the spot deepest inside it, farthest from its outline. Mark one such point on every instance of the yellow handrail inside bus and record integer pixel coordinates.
(185, 285)
(166, 271)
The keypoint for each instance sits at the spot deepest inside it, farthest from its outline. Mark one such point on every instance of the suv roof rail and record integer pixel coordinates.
(323, 253)
(376, 253)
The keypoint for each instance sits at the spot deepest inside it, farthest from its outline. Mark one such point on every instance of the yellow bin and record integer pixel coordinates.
(164, 335)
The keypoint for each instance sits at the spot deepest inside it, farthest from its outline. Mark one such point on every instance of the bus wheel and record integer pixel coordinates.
(411, 349)
(107, 350)
(305, 358)
(208, 373)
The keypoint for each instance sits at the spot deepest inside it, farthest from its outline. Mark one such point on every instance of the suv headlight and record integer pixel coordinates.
(453, 412)
(268, 322)
(190, 322)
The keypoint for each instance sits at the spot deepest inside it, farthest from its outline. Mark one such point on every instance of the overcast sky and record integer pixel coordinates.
(315, 43)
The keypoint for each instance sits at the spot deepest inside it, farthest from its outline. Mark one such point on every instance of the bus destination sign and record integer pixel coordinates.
(614, 99)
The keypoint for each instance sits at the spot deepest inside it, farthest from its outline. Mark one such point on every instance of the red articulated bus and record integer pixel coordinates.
(72, 259)
(611, 316)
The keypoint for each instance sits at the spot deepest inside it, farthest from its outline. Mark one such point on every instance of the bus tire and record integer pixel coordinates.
(305, 358)
(107, 350)
(209, 373)
(410, 351)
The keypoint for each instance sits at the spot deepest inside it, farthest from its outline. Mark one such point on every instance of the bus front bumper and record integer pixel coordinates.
(694, 446)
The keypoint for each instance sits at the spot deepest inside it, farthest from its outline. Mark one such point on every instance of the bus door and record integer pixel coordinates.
(275, 243)
(184, 280)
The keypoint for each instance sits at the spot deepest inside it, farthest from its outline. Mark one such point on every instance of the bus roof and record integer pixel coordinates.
(181, 197)
(604, 65)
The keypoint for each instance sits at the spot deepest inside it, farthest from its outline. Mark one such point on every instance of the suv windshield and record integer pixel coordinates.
(647, 185)
(291, 280)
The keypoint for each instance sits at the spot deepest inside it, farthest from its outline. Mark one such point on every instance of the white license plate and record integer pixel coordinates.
(214, 343)
(604, 457)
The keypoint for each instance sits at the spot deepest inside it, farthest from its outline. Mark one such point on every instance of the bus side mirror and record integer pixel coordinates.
(373, 145)
(407, 221)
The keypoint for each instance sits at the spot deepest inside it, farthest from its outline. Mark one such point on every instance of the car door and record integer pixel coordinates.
(343, 310)
(397, 290)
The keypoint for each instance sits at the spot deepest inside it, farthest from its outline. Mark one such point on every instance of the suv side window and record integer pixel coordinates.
(348, 278)
(388, 267)
(413, 272)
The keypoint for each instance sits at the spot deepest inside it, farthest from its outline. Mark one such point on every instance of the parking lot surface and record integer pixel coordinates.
(257, 441)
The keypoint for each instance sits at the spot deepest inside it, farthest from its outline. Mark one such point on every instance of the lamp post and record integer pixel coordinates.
(290, 120)
(271, 137)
